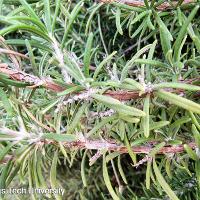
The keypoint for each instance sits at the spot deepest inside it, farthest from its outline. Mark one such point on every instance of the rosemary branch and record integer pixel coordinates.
(138, 3)
(48, 83)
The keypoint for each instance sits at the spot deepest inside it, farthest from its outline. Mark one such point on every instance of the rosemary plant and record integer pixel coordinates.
(100, 99)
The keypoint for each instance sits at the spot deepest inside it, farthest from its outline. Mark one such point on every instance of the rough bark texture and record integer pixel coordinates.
(35, 81)
(138, 3)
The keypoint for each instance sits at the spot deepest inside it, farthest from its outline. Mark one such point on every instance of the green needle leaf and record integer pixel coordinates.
(140, 16)
(83, 169)
(100, 66)
(77, 118)
(183, 32)
(59, 137)
(47, 15)
(163, 183)
(146, 118)
(107, 180)
(31, 56)
(148, 174)
(179, 101)
(87, 55)
(72, 18)
(118, 24)
(28, 8)
(177, 85)
(130, 151)
(6, 102)
(135, 84)
(53, 172)
(118, 106)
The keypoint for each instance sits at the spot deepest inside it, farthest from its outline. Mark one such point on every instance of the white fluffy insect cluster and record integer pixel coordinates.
(145, 159)
(82, 96)
(85, 95)
(148, 87)
(107, 113)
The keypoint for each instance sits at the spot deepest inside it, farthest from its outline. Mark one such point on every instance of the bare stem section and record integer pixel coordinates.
(112, 146)
(34, 81)
(48, 83)
(138, 3)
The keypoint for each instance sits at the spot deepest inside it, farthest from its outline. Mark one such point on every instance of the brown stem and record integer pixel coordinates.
(128, 95)
(35, 81)
(8, 51)
(112, 146)
(138, 3)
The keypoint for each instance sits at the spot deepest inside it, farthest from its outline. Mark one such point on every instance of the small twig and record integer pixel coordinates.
(128, 95)
(35, 81)
(112, 146)
(98, 144)
(138, 3)
(8, 51)
(31, 79)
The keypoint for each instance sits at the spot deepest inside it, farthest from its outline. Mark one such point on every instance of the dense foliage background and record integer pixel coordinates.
(100, 98)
